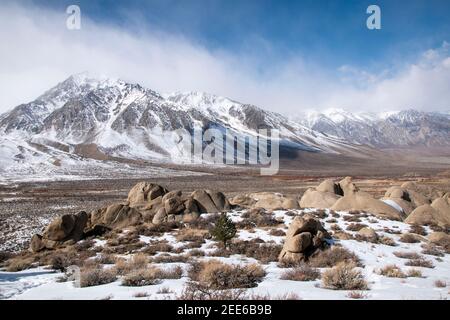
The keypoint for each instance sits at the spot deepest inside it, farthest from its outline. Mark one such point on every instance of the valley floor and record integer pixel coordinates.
(42, 283)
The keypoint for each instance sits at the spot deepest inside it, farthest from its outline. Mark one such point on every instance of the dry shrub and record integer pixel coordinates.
(150, 276)
(60, 262)
(357, 295)
(332, 256)
(136, 262)
(159, 247)
(198, 291)
(417, 229)
(414, 273)
(218, 275)
(257, 217)
(196, 235)
(387, 241)
(204, 222)
(196, 253)
(408, 238)
(5, 255)
(432, 250)
(139, 278)
(392, 271)
(407, 255)
(351, 218)
(164, 290)
(344, 276)
(96, 276)
(84, 245)
(335, 227)
(331, 220)
(277, 232)
(106, 259)
(141, 295)
(440, 284)
(264, 253)
(320, 213)
(150, 230)
(282, 297)
(356, 226)
(420, 262)
(388, 230)
(167, 258)
(19, 263)
(301, 273)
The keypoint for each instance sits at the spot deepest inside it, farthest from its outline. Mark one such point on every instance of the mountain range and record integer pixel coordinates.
(86, 121)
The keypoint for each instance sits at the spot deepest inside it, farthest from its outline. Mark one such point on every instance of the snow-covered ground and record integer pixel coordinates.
(41, 283)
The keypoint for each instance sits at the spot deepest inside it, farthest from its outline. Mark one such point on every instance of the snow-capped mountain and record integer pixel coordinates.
(106, 119)
(386, 129)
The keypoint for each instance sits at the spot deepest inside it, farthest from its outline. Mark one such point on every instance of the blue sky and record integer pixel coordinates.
(333, 32)
(281, 55)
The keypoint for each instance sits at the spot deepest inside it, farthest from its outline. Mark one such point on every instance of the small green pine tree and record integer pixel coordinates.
(224, 230)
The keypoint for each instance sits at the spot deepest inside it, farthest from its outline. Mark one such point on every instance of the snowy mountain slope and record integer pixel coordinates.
(108, 118)
(387, 129)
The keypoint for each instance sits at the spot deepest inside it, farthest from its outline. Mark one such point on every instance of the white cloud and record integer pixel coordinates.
(38, 52)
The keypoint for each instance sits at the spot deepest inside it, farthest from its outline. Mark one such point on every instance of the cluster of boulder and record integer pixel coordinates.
(146, 203)
(305, 235)
(264, 200)
(411, 202)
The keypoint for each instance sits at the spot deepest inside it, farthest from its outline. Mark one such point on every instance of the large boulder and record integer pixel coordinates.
(116, 216)
(368, 204)
(428, 192)
(265, 200)
(67, 227)
(210, 201)
(143, 192)
(318, 199)
(438, 213)
(304, 236)
(330, 186)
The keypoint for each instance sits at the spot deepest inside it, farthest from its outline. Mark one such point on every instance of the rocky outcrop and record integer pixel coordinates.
(143, 193)
(116, 216)
(304, 236)
(68, 228)
(265, 200)
(438, 213)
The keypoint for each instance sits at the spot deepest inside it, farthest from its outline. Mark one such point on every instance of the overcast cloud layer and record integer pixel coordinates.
(38, 52)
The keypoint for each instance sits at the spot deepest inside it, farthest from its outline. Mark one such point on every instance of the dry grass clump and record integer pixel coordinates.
(351, 218)
(204, 222)
(19, 263)
(105, 258)
(344, 276)
(331, 220)
(440, 284)
(198, 291)
(95, 276)
(164, 290)
(136, 262)
(387, 241)
(417, 229)
(5, 255)
(277, 232)
(150, 230)
(140, 277)
(420, 262)
(320, 214)
(195, 235)
(152, 249)
(258, 218)
(196, 253)
(392, 271)
(141, 295)
(218, 275)
(264, 253)
(357, 295)
(432, 250)
(414, 273)
(167, 258)
(335, 227)
(150, 276)
(391, 231)
(301, 273)
(356, 226)
(407, 255)
(408, 238)
(332, 256)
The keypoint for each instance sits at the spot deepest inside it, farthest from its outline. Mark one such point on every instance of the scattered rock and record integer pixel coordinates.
(369, 234)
